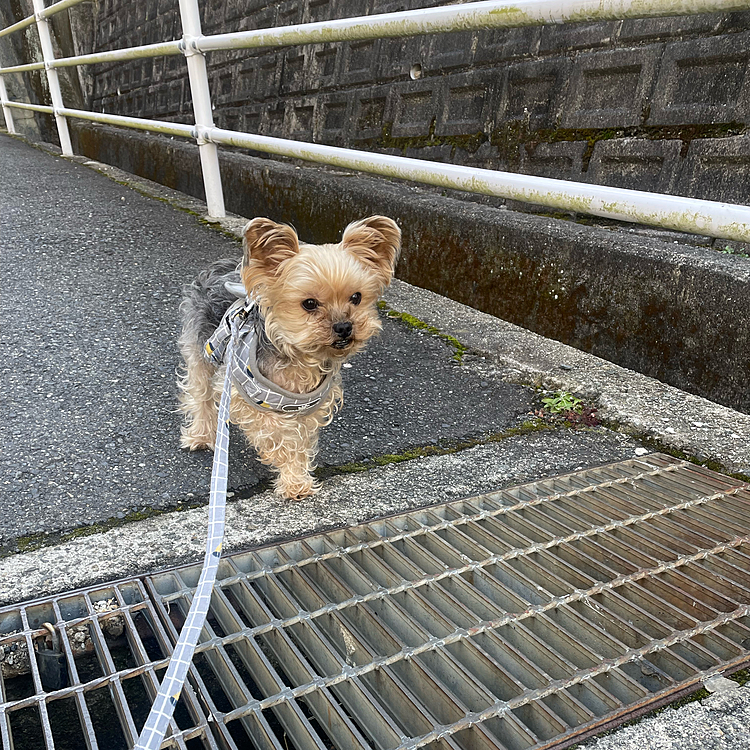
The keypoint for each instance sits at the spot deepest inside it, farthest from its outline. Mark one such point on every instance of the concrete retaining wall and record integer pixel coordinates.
(655, 104)
(658, 104)
(676, 312)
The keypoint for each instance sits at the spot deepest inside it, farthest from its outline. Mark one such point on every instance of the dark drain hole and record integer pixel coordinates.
(239, 735)
(17, 688)
(215, 626)
(211, 681)
(138, 700)
(339, 695)
(284, 739)
(26, 727)
(319, 730)
(264, 643)
(176, 614)
(106, 728)
(66, 729)
(238, 608)
(148, 638)
(88, 667)
(243, 672)
(63, 715)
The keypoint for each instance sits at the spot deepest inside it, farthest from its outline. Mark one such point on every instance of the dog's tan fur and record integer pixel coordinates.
(282, 273)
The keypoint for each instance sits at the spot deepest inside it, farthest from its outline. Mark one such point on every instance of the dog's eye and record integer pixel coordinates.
(310, 304)
(356, 298)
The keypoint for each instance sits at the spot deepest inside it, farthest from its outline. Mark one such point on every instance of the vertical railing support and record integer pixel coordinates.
(202, 112)
(6, 109)
(48, 54)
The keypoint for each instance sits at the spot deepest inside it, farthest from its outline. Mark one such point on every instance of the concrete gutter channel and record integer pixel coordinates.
(470, 427)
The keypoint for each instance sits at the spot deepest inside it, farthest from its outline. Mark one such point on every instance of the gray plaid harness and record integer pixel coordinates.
(239, 322)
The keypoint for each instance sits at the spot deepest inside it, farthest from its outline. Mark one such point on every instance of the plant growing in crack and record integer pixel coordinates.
(570, 408)
(562, 402)
(728, 250)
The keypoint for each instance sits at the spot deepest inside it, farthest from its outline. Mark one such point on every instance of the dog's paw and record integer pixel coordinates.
(296, 488)
(196, 441)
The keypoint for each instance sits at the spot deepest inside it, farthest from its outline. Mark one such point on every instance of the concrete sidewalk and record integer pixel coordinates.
(93, 484)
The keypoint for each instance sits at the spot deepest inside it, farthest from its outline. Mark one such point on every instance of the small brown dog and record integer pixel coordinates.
(300, 312)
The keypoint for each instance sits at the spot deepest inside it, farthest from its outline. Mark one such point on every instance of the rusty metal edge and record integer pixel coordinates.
(638, 711)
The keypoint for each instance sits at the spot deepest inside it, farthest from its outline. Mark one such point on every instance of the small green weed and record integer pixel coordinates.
(731, 251)
(562, 402)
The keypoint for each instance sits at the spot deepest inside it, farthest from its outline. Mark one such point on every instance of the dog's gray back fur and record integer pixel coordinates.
(206, 300)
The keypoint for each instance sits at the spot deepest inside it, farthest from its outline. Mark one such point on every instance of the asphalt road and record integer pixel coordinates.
(92, 272)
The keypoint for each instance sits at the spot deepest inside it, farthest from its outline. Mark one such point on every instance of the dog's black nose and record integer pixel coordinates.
(343, 330)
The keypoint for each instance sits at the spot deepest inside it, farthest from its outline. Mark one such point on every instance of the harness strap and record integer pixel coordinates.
(260, 392)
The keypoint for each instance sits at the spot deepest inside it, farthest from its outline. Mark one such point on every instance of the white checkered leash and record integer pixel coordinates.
(158, 719)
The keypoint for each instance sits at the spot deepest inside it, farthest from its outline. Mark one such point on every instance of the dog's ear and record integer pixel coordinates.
(267, 245)
(376, 241)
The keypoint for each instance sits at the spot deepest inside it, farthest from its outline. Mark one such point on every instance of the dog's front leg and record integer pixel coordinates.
(199, 398)
(289, 445)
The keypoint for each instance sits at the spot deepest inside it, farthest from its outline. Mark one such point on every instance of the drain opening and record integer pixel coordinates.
(67, 734)
(27, 724)
(114, 648)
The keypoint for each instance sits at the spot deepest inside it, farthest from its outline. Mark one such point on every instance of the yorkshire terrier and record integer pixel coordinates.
(297, 313)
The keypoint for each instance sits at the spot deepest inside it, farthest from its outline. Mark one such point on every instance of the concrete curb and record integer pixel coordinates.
(635, 403)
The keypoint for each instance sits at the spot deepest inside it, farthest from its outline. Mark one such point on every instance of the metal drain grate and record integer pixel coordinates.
(115, 650)
(525, 618)
(515, 620)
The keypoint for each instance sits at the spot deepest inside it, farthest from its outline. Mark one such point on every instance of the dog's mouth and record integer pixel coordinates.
(341, 343)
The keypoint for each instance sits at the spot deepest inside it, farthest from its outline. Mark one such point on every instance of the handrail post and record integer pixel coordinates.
(48, 54)
(202, 112)
(6, 109)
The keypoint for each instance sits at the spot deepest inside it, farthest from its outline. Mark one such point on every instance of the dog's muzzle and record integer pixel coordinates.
(344, 332)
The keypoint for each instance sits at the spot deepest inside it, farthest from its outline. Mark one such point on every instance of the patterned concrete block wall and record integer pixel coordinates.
(659, 104)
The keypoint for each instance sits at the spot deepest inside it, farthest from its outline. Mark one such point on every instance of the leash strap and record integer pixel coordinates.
(161, 712)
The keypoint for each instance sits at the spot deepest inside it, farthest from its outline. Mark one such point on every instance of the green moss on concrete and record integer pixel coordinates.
(422, 451)
(716, 466)
(510, 136)
(742, 677)
(459, 349)
(658, 446)
(32, 542)
(731, 251)
(469, 142)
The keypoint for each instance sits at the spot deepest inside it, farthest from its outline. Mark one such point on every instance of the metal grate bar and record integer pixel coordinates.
(95, 674)
(525, 555)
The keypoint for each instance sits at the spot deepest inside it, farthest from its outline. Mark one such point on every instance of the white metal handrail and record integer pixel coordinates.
(490, 14)
(43, 13)
(711, 218)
